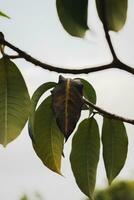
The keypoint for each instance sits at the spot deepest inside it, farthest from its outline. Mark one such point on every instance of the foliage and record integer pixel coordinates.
(73, 15)
(54, 119)
(24, 198)
(122, 190)
(35, 196)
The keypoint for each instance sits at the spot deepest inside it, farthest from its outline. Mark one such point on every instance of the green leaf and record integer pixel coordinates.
(4, 15)
(112, 13)
(67, 104)
(24, 198)
(115, 146)
(85, 155)
(14, 101)
(48, 138)
(35, 98)
(73, 16)
(89, 93)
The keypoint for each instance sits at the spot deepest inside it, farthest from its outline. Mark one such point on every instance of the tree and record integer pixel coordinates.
(62, 109)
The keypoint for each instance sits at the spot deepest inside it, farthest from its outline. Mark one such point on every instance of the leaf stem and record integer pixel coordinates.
(108, 114)
(107, 31)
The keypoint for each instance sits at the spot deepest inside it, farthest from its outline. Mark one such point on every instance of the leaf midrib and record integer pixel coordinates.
(51, 142)
(5, 106)
(67, 88)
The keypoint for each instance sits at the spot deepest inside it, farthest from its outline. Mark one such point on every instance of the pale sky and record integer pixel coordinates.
(34, 27)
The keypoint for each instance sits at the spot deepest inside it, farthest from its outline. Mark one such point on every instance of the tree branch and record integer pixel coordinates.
(116, 64)
(107, 31)
(108, 114)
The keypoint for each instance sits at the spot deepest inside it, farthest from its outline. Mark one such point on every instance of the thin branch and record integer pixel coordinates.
(108, 114)
(110, 43)
(12, 56)
(21, 54)
(107, 31)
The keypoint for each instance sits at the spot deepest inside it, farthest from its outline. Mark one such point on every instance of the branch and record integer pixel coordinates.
(108, 114)
(107, 32)
(116, 64)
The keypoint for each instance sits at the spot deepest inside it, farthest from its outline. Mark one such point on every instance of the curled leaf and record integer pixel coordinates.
(67, 103)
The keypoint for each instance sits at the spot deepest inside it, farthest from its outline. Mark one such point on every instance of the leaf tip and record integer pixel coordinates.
(4, 15)
(4, 145)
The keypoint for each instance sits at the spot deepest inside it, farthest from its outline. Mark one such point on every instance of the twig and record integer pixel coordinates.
(116, 64)
(105, 26)
(108, 114)
(11, 56)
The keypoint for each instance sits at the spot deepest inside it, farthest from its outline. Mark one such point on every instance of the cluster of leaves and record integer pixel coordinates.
(73, 15)
(55, 119)
(118, 191)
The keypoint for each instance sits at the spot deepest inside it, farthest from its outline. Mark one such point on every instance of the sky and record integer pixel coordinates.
(35, 28)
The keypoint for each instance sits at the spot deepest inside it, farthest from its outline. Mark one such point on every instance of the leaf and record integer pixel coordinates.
(67, 103)
(113, 13)
(73, 16)
(85, 155)
(115, 146)
(4, 15)
(14, 101)
(88, 92)
(48, 138)
(35, 98)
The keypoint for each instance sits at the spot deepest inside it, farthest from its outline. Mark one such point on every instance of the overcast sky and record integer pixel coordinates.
(34, 27)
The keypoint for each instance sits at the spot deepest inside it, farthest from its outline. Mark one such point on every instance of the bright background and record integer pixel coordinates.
(35, 28)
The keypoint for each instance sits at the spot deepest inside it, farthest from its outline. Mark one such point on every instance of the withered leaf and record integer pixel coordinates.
(67, 104)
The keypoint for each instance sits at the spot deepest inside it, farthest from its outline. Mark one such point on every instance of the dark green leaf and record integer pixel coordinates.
(14, 101)
(35, 98)
(4, 15)
(115, 146)
(73, 16)
(88, 92)
(47, 136)
(113, 13)
(85, 155)
(67, 103)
